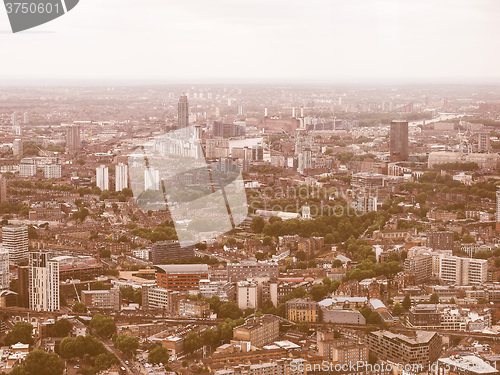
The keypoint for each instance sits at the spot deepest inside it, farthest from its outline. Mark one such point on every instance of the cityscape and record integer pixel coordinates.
(250, 188)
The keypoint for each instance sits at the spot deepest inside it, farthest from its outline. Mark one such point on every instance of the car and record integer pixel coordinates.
(76, 366)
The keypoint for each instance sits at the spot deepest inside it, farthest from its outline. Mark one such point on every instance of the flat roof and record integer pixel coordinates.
(182, 268)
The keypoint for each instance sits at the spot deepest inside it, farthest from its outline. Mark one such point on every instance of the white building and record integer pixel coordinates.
(43, 282)
(4, 268)
(52, 171)
(102, 178)
(247, 295)
(15, 241)
(151, 179)
(121, 177)
(27, 170)
(462, 271)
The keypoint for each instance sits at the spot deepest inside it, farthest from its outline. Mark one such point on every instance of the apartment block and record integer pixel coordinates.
(258, 331)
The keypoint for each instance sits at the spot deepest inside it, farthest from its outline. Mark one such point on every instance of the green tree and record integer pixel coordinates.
(20, 332)
(230, 310)
(192, 342)
(434, 298)
(104, 361)
(158, 355)
(126, 344)
(257, 224)
(103, 325)
(39, 362)
(406, 302)
(61, 328)
(397, 309)
(304, 326)
(79, 307)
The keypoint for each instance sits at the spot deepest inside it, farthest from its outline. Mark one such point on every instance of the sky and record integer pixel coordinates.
(212, 41)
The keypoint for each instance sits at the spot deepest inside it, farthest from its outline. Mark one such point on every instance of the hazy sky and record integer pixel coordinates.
(262, 40)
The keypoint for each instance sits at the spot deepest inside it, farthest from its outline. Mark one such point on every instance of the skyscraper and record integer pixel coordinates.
(4, 268)
(399, 141)
(73, 139)
(15, 240)
(101, 177)
(151, 179)
(17, 147)
(3, 189)
(183, 112)
(121, 177)
(497, 215)
(43, 282)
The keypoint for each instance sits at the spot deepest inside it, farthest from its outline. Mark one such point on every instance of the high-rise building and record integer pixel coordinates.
(463, 271)
(43, 282)
(183, 112)
(399, 141)
(73, 138)
(247, 295)
(17, 147)
(102, 178)
(26, 118)
(259, 331)
(15, 240)
(257, 153)
(27, 168)
(4, 268)
(497, 215)
(3, 189)
(419, 268)
(52, 171)
(151, 179)
(440, 240)
(121, 177)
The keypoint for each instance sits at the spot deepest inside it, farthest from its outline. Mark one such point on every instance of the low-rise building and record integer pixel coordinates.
(258, 331)
(102, 299)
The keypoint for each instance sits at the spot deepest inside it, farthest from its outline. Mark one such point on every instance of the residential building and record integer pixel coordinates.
(258, 331)
(154, 297)
(247, 269)
(340, 349)
(419, 268)
(121, 177)
(43, 282)
(52, 171)
(247, 295)
(164, 251)
(302, 309)
(399, 141)
(3, 189)
(183, 112)
(440, 240)
(15, 241)
(102, 299)
(462, 271)
(102, 178)
(73, 139)
(4, 268)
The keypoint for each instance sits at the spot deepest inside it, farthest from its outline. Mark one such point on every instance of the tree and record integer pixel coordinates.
(79, 307)
(105, 253)
(103, 325)
(158, 355)
(257, 224)
(230, 310)
(434, 298)
(406, 302)
(126, 344)
(61, 328)
(192, 342)
(301, 255)
(104, 361)
(21, 332)
(211, 337)
(38, 362)
(304, 326)
(397, 309)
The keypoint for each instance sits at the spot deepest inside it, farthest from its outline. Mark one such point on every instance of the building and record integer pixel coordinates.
(15, 241)
(421, 348)
(102, 299)
(17, 147)
(121, 177)
(340, 350)
(164, 251)
(257, 153)
(27, 168)
(43, 282)
(342, 316)
(79, 267)
(52, 171)
(462, 271)
(151, 179)
(419, 268)
(193, 309)
(247, 269)
(182, 277)
(258, 331)
(440, 240)
(247, 295)
(302, 309)
(285, 366)
(23, 281)
(183, 112)
(497, 213)
(464, 365)
(73, 139)
(156, 298)
(424, 316)
(399, 141)
(4, 268)
(102, 177)
(3, 189)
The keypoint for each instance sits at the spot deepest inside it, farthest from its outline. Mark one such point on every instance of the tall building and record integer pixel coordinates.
(497, 215)
(399, 141)
(102, 178)
(73, 138)
(151, 179)
(257, 153)
(43, 282)
(463, 271)
(52, 171)
(27, 168)
(302, 309)
(163, 251)
(121, 177)
(440, 240)
(419, 268)
(4, 268)
(3, 189)
(17, 147)
(247, 295)
(259, 331)
(183, 112)
(15, 240)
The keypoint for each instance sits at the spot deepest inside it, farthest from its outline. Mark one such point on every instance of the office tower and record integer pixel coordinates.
(52, 171)
(43, 282)
(4, 268)
(482, 141)
(73, 138)
(257, 153)
(17, 147)
(399, 141)
(101, 177)
(121, 177)
(3, 189)
(497, 215)
(15, 240)
(183, 112)
(151, 179)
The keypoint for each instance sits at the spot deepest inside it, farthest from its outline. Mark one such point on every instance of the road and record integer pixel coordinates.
(112, 349)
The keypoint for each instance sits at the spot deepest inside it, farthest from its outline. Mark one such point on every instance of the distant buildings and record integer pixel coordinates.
(164, 251)
(183, 112)
(465, 365)
(399, 141)
(73, 139)
(17, 147)
(102, 299)
(43, 282)
(3, 189)
(15, 241)
(247, 269)
(151, 179)
(497, 213)
(52, 171)
(421, 347)
(4, 268)
(102, 178)
(483, 160)
(121, 177)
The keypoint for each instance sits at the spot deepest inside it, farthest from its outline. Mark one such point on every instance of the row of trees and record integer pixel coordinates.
(81, 346)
